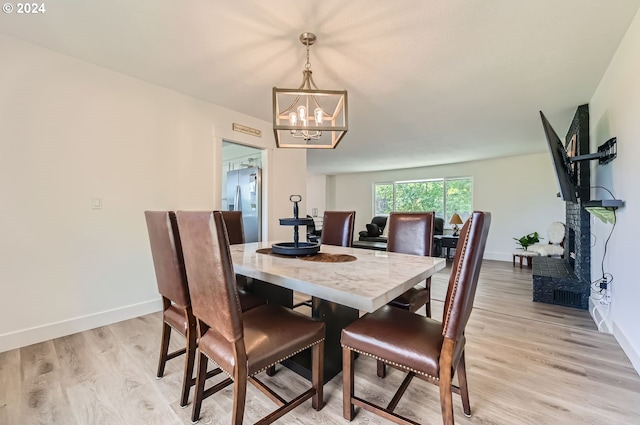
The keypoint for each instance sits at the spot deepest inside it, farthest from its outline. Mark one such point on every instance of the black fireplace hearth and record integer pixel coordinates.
(554, 282)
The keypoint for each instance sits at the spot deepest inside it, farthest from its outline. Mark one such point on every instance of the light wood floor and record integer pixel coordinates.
(527, 364)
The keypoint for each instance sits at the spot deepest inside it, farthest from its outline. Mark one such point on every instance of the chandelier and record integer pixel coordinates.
(307, 117)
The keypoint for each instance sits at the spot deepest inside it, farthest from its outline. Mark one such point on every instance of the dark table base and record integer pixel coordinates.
(335, 317)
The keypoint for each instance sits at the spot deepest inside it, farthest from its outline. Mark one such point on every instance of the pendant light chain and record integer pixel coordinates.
(307, 65)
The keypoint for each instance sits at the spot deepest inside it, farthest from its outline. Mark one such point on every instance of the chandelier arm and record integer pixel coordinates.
(310, 80)
(290, 106)
(304, 80)
(315, 101)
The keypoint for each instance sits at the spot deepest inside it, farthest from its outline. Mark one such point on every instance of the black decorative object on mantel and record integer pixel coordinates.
(296, 247)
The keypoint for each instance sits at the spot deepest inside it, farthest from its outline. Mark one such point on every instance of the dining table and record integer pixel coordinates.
(343, 282)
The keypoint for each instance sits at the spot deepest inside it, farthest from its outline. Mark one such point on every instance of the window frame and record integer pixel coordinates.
(445, 180)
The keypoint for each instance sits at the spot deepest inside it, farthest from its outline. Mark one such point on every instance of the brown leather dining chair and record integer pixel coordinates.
(241, 343)
(411, 233)
(168, 262)
(235, 230)
(166, 252)
(337, 230)
(423, 347)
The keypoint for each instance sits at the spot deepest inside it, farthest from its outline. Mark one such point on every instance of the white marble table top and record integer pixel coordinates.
(368, 283)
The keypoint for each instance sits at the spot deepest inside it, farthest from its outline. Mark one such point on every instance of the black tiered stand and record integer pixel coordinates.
(296, 247)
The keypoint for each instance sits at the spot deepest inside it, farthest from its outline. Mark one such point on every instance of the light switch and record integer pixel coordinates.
(96, 203)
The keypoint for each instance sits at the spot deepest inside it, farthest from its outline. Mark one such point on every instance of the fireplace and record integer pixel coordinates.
(567, 281)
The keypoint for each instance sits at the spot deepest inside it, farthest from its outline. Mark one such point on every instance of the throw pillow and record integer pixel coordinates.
(373, 230)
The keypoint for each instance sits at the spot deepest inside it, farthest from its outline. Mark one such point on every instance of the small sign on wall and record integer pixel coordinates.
(247, 130)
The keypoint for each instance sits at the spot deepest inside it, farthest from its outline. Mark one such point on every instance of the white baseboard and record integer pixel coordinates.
(499, 256)
(598, 312)
(22, 338)
(628, 348)
(600, 315)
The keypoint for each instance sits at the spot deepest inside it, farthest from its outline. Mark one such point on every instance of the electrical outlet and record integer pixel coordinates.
(605, 291)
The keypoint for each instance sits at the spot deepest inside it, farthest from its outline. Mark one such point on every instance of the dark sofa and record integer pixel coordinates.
(374, 230)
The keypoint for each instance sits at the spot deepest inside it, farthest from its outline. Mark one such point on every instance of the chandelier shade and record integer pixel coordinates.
(308, 117)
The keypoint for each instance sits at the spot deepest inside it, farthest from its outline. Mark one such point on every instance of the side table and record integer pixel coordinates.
(448, 242)
(526, 255)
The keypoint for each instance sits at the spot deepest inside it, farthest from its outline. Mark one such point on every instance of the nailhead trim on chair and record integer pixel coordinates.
(272, 364)
(393, 363)
(290, 355)
(456, 280)
(214, 362)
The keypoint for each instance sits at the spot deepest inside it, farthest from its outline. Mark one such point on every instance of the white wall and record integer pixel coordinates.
(520, 192)
(316, 194)
(615, 111)
(71, 131)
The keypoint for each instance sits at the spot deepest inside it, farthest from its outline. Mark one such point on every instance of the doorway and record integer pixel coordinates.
(242, 186)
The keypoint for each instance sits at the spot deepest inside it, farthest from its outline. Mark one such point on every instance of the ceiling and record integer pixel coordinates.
(429, 82)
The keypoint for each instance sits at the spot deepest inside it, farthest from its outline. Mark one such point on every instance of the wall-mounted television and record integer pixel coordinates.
(567, 181)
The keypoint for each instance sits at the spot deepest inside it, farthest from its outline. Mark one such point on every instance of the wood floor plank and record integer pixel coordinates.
(131, 388)
(527, 364)
(10, 387)
(43, 399)
(79, 361)
(97, 404)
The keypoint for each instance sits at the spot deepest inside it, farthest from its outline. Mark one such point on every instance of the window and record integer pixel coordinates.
(444, 196)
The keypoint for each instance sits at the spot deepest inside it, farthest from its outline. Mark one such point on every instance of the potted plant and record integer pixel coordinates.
(527, 240)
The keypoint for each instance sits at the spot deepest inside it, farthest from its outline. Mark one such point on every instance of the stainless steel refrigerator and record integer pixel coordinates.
(243, 194)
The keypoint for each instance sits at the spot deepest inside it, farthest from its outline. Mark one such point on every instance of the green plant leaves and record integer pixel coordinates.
(528, 240)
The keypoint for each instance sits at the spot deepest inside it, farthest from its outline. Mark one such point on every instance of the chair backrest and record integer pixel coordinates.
(214, 296)
(168, 261)
(464, 274)
(380, 221)
(337, 228)
(411, 232)
(556, 233)
(235, 229)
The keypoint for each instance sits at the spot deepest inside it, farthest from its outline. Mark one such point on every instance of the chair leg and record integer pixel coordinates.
(164, 349)
(446, 372)
(317, 375)
(239, 394)
(199, 393)
(381, 369)
(187, 379)
(464, 390)
(347, 384)
(427, 306)
(446, 399)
